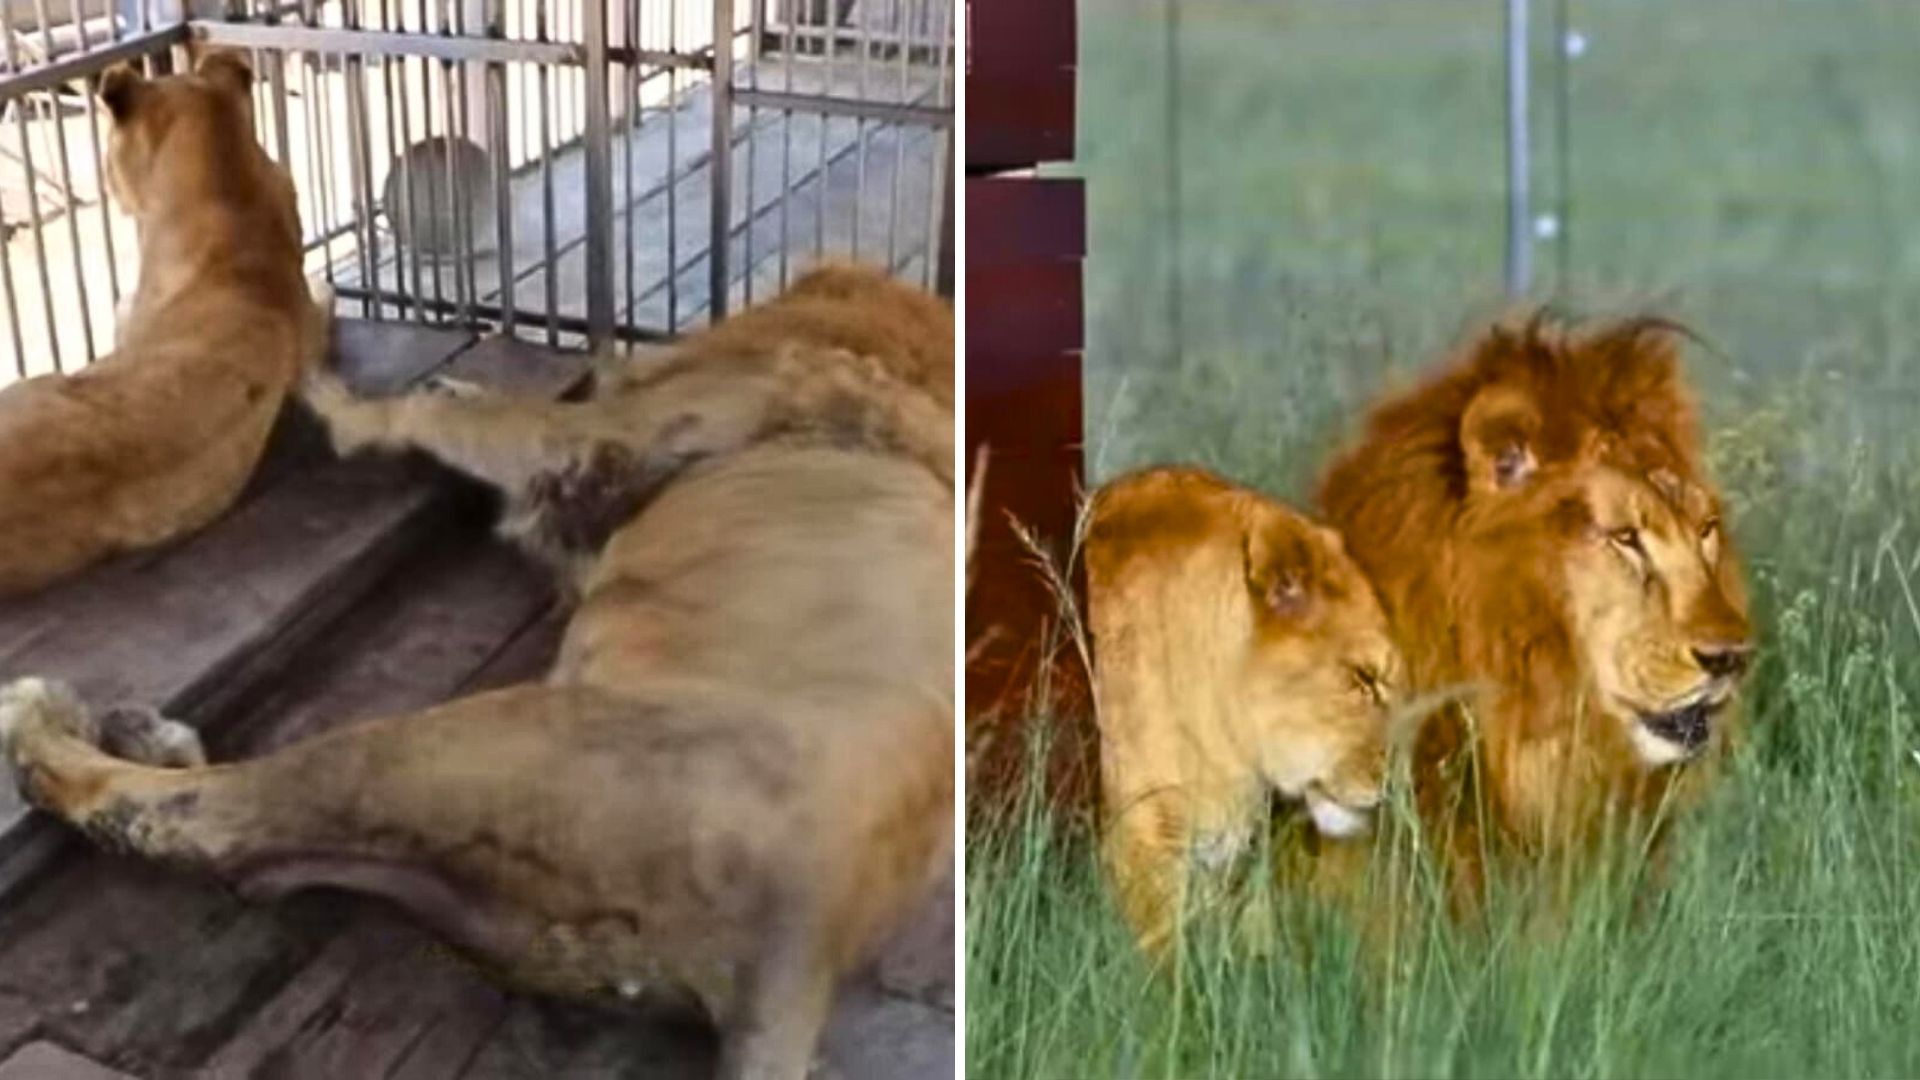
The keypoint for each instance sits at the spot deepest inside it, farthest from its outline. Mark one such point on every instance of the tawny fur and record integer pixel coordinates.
(1238, 652)
(737, 778)
(1537, 520)
(840, 360)
(156, 439)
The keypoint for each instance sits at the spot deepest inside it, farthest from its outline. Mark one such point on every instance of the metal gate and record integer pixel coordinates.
(565, 170)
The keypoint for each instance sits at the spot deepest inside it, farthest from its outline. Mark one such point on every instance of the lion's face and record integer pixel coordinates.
(1321, 668)
(1637, 559)
(1663, 639)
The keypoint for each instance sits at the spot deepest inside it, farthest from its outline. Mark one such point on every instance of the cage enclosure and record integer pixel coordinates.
(561, 170)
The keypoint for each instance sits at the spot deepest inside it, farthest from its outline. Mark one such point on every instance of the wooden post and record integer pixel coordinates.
(1026, 238)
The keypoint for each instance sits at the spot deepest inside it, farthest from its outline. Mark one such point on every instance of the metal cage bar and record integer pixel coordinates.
(720, 168)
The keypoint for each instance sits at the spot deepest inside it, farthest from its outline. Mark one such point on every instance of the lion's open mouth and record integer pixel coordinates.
(1334, 819)
(1688, 726)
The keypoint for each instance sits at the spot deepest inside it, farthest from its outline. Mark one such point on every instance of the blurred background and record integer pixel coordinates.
(1289, 199)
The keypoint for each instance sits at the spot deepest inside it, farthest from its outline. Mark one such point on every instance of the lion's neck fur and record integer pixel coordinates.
(218, 226)
(213, 255)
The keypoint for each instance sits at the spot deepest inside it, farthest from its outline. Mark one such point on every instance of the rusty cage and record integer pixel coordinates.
(563, 170)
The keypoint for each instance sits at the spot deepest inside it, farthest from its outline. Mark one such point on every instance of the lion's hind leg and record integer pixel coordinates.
(150, 804)
(775, 1029)
(240, 821)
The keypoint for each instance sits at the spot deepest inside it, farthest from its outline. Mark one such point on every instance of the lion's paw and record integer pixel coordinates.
(352, 422)
(35, 706)
(139, 733)
(327, 393)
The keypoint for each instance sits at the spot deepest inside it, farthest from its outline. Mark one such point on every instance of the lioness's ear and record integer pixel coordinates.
(1280, 568)
(1498, 435)
(227, 69)
(120, 89)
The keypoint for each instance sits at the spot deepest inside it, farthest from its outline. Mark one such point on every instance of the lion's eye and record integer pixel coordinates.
(1370, 682)
(1628, 538)
(1710, 540)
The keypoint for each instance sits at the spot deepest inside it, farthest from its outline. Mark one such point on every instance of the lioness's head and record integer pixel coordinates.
(1591, 533)
(1233, 631)
(191, 137)
(1320, 669)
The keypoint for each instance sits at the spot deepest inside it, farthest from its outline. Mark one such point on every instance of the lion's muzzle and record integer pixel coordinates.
(1334, 819)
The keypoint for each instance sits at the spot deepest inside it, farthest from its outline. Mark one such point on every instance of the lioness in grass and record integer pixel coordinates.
(1238, 651)
(736, 779)
(158, 438)
(1538, 520)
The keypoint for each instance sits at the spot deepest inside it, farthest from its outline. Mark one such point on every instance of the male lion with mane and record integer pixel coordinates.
(1238, 652)
(1538, 522)
(158, 438)
(737, 778)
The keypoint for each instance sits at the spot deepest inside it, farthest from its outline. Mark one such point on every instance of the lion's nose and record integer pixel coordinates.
(1723, 659)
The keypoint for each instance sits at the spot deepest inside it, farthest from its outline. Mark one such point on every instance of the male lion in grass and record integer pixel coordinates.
(1238, 652)
(1537, 520)
(158, 438)
(737, 778)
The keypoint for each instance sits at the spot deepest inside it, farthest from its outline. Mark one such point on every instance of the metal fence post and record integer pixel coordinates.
(945, 269)
(1519, 228)
(499, 153)
(1563, 51)
(599, 162)
(722, 159)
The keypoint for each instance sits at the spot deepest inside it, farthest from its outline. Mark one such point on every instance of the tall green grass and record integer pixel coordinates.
(1784, 943)
(1751, 166)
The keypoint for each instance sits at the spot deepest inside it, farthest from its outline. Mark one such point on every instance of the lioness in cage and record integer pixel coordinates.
(158, 438)
(737, 778)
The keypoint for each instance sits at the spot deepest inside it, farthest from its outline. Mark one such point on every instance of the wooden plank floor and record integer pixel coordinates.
(192, 626)
(113, 967)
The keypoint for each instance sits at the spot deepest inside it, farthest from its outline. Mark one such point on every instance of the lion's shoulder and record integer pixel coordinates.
(839, 309)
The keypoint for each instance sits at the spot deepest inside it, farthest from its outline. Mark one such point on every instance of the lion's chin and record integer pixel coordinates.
(1675, 735)
(1335, 820)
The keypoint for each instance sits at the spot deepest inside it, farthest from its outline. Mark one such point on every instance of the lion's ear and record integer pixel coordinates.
(1498, 436)
(1281, 568)
(227, 69)
(121, 89)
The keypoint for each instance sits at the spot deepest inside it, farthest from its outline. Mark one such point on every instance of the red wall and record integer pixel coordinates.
(1026, 238)
(1021, 60)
